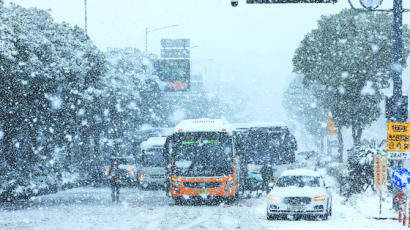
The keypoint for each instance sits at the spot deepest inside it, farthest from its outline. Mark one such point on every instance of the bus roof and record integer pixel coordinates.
(153, 142)
(203, 125)
(249, 125)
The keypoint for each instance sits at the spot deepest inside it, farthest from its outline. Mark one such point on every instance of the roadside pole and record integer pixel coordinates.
(380, 176)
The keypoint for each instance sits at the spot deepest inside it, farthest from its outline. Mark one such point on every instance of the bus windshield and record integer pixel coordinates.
(206, 155)
(153, 158)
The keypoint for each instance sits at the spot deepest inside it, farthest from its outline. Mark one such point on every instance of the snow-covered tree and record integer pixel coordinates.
(350, 57)
(46, 70)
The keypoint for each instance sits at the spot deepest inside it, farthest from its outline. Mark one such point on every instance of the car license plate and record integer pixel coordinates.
(202, 192)
(296, 207)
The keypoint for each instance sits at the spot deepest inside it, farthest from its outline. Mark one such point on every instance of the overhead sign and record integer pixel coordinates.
(175, 72)
(398, 138)
(175, 53)
(175, 43)
(331, 126)
(400, 177)
(288, 1)
(380, 172)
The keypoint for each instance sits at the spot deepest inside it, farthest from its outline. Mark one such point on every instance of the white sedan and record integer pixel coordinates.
(299, 192)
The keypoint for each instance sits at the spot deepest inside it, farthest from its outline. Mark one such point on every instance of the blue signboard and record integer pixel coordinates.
(400, 177)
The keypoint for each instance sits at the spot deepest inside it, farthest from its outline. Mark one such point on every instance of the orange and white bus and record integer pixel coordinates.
(203, 165)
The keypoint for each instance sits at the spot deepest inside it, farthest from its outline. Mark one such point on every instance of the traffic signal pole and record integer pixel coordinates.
(397, 61)
(396, 106)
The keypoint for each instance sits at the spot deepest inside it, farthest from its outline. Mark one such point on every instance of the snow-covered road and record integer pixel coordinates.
(90, 208)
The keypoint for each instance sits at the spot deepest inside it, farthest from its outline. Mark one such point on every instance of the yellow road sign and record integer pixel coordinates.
(398, 138)
(331, 126)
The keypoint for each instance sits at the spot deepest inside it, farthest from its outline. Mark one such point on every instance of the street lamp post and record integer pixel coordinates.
(148, 30)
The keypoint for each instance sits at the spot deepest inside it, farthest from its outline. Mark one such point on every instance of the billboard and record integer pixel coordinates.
(175, 43)
(175, 53)
(174, 72)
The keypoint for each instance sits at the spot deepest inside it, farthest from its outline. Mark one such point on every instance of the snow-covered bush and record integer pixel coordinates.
(358, 176)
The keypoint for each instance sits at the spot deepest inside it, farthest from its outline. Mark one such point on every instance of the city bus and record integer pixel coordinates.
(260, 143)
(203, 165)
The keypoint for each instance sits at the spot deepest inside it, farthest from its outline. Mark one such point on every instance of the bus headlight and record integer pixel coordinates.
(174, 183)
(229, 183)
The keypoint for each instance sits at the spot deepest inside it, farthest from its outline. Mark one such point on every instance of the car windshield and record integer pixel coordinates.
(153, 158)
(298, 181)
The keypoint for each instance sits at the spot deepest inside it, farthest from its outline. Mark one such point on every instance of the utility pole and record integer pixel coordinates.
(85, 16)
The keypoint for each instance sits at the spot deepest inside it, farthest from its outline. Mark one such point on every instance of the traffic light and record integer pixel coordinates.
(288, 1)
(396, 113)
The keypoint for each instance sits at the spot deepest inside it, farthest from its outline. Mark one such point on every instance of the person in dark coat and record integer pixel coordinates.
(114, 178)
(266, 173)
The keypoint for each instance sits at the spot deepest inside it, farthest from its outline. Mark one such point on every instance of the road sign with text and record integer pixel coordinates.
(380, 172)
(398, 138)
(175, 72)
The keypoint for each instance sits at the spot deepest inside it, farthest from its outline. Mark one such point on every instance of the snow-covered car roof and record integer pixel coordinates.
(153, 141)
(300, 172)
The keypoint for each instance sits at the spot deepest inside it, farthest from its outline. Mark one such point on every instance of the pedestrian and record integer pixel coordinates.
(266, 173)
(114, 178)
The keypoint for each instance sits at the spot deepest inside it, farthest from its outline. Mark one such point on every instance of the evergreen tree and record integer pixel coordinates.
(349, 56)
(48, 71)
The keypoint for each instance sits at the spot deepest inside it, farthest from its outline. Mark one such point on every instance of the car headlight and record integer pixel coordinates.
(272, 197)
(319, 198)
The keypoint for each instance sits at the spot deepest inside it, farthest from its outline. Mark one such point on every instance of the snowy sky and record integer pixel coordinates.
(241, 52)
